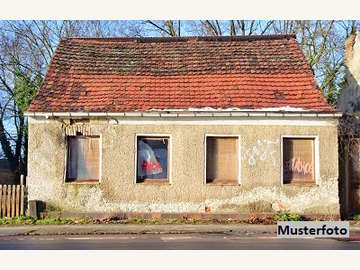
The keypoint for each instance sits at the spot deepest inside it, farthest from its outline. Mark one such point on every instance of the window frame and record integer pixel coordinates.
(81, 182)
(238, 137)
(316, 161)
(169, 168)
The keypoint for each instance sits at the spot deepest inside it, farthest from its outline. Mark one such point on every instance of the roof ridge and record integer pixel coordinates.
(186, 38)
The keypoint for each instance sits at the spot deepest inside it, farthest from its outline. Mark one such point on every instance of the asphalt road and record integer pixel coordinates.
(160, 241)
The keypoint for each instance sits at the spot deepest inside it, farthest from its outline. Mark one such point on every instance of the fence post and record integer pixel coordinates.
(22, 195)
(4, 201)
(8, 214)
(13, 201)
(17, 200)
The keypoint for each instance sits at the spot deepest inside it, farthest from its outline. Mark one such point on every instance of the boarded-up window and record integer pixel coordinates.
(152, 159)
(83, 158)
(222, 160)
(298, 160)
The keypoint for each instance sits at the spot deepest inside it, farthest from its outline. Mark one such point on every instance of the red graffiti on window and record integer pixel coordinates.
(150, 166)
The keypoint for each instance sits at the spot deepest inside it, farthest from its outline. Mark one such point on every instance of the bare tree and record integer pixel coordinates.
(323, 45)
(248, 28)
(26, 48)
(167, 28)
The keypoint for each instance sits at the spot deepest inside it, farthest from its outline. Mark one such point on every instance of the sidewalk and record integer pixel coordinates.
(88, 229)
(244, 230)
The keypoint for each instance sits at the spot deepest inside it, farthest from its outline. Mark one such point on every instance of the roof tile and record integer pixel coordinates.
(140, 74)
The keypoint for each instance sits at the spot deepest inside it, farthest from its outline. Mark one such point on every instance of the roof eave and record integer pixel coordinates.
(250, 113)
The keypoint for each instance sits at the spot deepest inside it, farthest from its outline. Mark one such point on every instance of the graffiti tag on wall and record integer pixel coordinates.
(262, 150)
(296, 165)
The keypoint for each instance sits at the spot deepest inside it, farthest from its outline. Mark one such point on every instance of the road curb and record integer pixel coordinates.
(113, 229)
(248, 230)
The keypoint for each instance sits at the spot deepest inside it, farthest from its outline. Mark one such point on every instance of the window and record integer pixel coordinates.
(152, 159)
(222, 160)
(298, 160)
(82, 159)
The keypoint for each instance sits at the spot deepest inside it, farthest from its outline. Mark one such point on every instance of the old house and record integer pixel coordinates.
(230, 124)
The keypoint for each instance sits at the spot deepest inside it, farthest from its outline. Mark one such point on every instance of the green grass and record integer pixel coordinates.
(25, 220)
(50, 220)
(286, 216)
(355, 217)
(17, 220)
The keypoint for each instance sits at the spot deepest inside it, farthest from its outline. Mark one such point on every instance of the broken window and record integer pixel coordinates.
(298, 160)
(222, 160)
(152, 159)
(82, 159)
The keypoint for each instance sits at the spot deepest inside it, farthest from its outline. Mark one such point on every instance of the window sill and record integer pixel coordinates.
(157, 182)
(82, 182)
(222, 185)
(219, 182)
(301, 184)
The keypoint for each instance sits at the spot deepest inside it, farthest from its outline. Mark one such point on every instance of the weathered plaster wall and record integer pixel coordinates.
(260, 189)
(349, 100)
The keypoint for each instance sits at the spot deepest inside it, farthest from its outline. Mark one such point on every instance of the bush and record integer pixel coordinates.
(355, 217)
(286, 216)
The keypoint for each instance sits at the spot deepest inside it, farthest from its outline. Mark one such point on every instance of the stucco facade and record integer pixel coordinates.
(260, 188)
(349, 100)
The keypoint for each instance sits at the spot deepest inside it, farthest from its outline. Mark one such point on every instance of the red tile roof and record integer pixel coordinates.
(141, 74)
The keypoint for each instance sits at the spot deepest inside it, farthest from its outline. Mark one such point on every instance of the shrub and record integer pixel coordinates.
(355, 217)
(286, 216)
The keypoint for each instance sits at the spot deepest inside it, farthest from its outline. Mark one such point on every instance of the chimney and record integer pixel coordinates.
(349, 101)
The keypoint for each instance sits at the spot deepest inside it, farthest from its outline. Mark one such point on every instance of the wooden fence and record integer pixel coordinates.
(12, 199)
